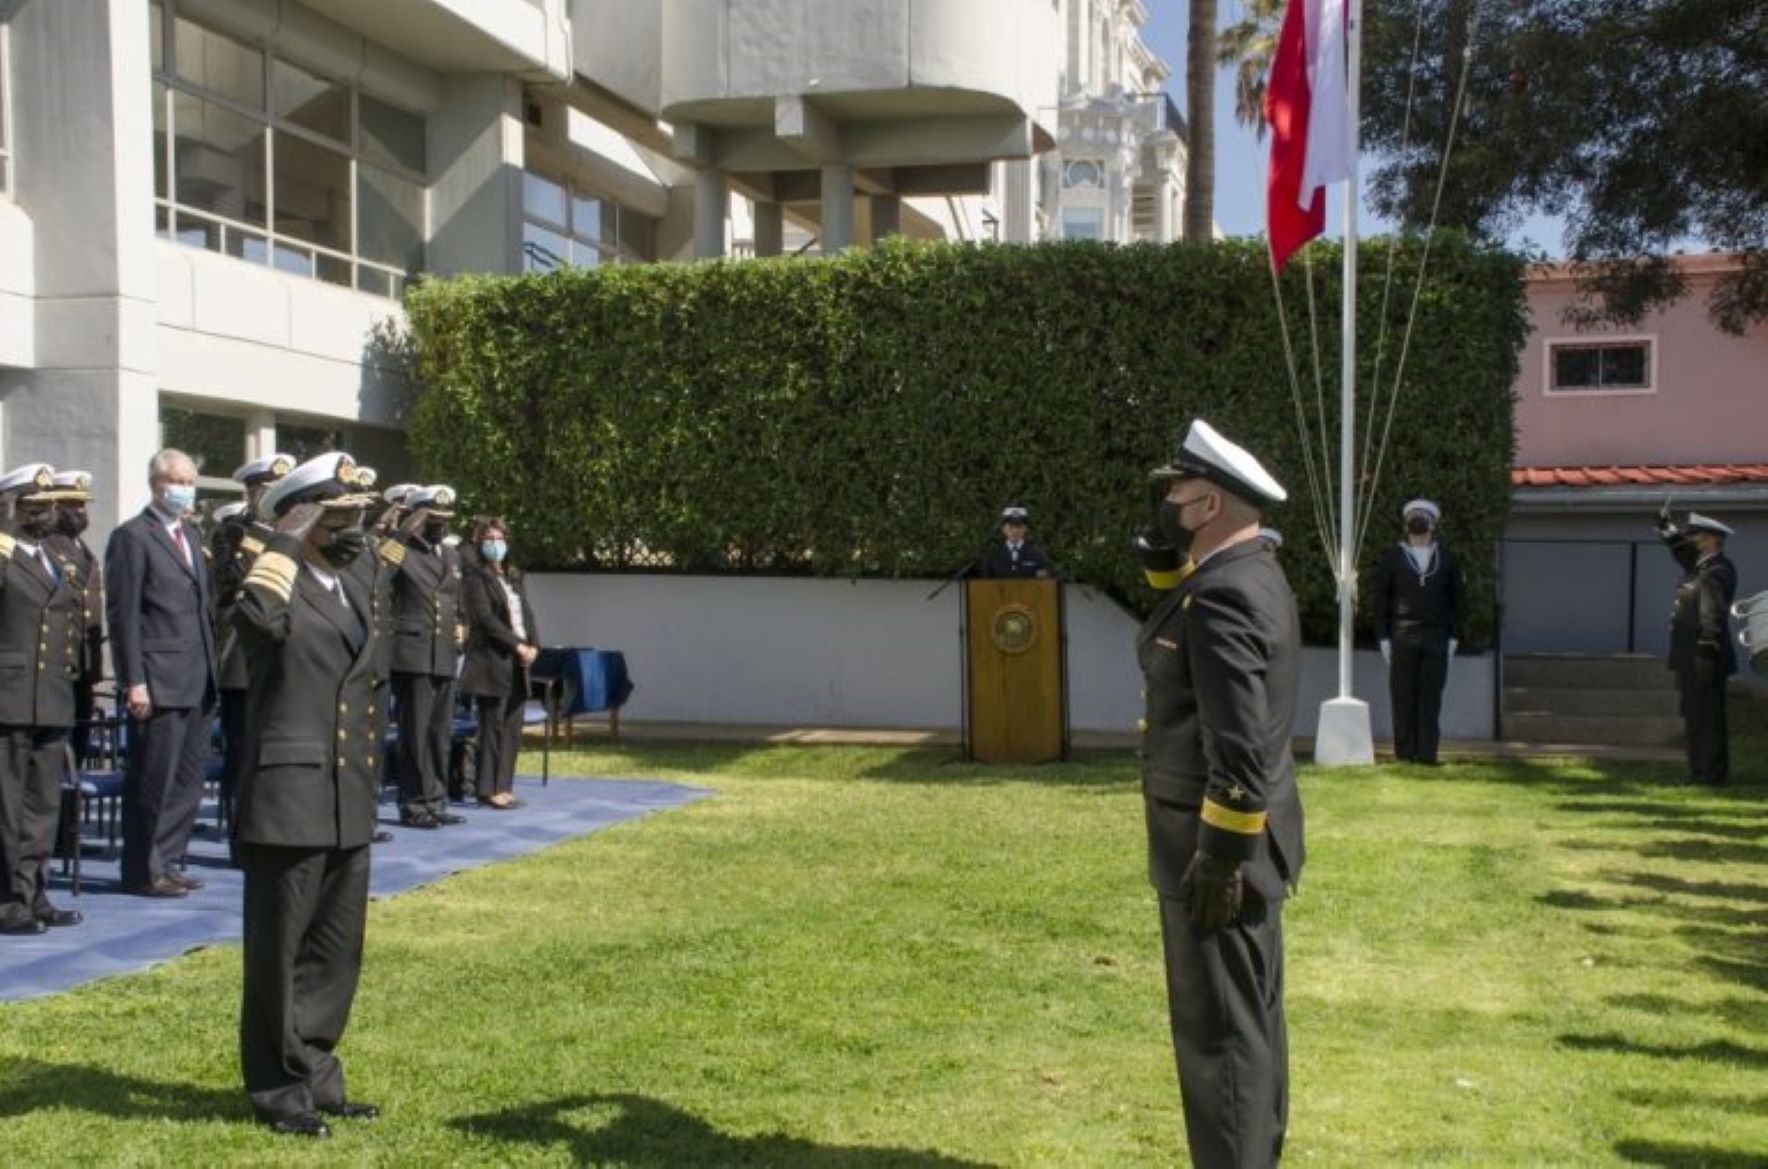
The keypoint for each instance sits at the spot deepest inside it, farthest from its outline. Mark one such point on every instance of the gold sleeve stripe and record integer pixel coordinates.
(274, 573)
(1228, 820)
(252, 544)
(7, 544)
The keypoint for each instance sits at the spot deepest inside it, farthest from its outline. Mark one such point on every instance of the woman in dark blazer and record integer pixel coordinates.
(502, 642)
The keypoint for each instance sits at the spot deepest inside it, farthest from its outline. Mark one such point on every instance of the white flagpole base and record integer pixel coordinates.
(1344, 738)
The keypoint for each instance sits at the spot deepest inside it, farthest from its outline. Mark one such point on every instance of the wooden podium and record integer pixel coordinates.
(1015, 688)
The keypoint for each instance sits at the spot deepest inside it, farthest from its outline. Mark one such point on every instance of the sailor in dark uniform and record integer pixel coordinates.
(238, 538)
(1016, 555)
(85, 573)
(1701, 653)
(428, 635)
(1221, 657)
(42, 634)
(307, 796)
(1418, 592)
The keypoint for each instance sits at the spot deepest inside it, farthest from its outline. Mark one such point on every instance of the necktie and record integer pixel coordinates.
(49, 565)
(178, 539)
(1015, 551)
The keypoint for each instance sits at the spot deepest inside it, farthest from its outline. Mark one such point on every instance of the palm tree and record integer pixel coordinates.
(1200, 67)
(1248, 45)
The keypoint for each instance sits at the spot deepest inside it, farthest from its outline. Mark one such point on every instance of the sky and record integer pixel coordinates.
(1241, 159)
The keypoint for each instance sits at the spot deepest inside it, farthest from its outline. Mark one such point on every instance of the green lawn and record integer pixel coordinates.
(857, 957)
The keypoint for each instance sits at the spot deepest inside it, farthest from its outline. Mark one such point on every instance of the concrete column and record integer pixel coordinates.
(1016, 219)
(261, 434)
(837, 234)
(476, 158)
(1163, 209)
(83, 124)
(886, 216)
(711, 208)
(770, 228)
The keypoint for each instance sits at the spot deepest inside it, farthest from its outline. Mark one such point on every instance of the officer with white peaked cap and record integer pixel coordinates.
(1417, 601)
(85, 572)
(1702, 654)
(1221, 659)
(429, 634)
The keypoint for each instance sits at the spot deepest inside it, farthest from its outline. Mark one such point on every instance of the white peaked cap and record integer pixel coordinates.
(1700, 523)
(1422, 505)
(1205, 454)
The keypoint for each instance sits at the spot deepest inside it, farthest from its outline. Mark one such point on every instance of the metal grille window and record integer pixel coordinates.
(1617, 366)
(259, 157)
(563, 226)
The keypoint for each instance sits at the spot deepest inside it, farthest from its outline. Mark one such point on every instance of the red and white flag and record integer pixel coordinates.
(1308, 107)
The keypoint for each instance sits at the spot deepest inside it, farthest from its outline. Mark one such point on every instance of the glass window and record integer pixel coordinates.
(220, 64)
(592, 220)
(312, 193)
(543, 249)
(544, 199)
(1083, 223)
(215, 442)
(310, 101)
(156, 35)
(390, 218)
(159, 141)
(392, 136)
(218, 160)
(1624, 365)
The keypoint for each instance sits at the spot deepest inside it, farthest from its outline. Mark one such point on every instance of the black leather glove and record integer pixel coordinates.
(1155, 553)
(1665, 525)
(1211, 890)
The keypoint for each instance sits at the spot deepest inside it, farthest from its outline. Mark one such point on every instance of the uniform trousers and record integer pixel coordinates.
(500, 737)
(233, 752)
(85, 704)
(1225, 995)
(426, 722)
(33, 761)
(1704, 721)
(1415, 680)
(305, 909)
(162, 789)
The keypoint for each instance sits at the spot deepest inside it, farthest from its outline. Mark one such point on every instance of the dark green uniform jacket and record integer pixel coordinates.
(42, 639)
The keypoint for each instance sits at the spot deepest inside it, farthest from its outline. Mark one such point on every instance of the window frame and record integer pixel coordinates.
(1553, 345)
(279, 244)
(606, 253)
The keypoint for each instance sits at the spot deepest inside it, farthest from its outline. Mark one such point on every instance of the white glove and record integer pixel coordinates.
(1454, 643)
(1387, 651)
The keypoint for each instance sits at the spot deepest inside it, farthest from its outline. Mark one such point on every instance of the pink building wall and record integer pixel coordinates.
(1709, 398)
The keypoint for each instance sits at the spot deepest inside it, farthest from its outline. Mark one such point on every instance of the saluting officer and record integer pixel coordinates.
(42, 633)
(80, 564)
(1701, 653)
(1221, 657)
(427, 640)
(307, 796)
(238, 538)
(1016, 555)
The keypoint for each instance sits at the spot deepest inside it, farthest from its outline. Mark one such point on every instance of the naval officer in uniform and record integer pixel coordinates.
(1221, 657)
(85, 572)
(307, 795)
(1418, 591)
(428, 635)
(1016, 555)
(1701, 653)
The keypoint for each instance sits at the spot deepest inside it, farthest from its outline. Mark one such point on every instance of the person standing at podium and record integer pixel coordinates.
(1016, 555)
(1221, 658)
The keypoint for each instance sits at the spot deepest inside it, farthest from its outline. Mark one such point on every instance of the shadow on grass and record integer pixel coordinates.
(28, 1085)
(640, 1131)
(1681, 1156)
(1714, 1050)
(1665, 1098)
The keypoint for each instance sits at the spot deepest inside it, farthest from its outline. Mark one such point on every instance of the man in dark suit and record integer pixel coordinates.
(163, 656)
(428, 634)
(238, 538)
(81, 566)
(1701, 653)
(1417, 607)
(307, 795)
(1016, 555)
(1221, 656)
(41, 634)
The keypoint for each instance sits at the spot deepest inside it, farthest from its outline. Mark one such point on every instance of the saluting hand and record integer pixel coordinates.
(414, 523)
(299, 520)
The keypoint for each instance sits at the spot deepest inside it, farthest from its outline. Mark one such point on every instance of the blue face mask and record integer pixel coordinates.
(179, 498)
(494, 550)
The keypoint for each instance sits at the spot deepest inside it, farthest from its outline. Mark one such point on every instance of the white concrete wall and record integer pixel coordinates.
(255, 336)
(790, 651)
(18, 286)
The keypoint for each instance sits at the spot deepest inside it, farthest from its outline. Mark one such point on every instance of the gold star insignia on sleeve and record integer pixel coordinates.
(1236, 793)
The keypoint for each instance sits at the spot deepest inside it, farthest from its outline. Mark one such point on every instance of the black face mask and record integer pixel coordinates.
(72, 523)
(345, 545)
(36, 525)
(1171, 529)
(1418, 525)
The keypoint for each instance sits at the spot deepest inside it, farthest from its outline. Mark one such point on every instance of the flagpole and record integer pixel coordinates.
(1347, 427)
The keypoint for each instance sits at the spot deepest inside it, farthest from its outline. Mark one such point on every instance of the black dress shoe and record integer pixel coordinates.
(351, 1110)
(307, 1124)
(61, 917)
(447, 818)
(381, 836)
(23, 928)
(419, 820)
(158, 887)
(185, 881)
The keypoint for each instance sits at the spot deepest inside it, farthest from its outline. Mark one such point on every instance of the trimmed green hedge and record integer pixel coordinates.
(869, 415)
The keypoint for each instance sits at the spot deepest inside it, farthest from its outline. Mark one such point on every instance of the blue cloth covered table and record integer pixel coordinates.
(589, 680)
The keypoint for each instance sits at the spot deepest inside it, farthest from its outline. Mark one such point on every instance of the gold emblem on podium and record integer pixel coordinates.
(1014, 629)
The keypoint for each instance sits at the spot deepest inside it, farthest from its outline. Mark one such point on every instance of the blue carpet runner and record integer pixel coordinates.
(122, 934)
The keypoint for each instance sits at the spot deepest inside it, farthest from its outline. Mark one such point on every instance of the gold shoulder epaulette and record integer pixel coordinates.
(7, 544)
(393, 552)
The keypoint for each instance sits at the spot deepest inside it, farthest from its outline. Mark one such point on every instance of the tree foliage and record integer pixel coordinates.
(1644, 124)
(870, 414)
